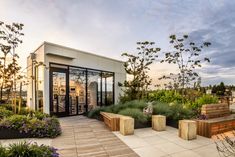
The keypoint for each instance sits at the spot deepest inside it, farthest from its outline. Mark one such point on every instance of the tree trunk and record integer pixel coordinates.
(1, 93)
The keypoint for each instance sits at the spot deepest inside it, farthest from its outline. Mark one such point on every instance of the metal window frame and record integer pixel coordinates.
(86, 84)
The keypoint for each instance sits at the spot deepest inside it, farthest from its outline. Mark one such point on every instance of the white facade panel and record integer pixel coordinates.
(51, 53)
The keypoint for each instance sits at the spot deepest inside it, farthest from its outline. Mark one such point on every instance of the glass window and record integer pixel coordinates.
(59, 92)
(107, 88)
(94, 89)
(39, 87)
(77, 91)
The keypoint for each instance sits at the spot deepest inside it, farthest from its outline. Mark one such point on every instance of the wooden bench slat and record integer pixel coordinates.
(111, 120)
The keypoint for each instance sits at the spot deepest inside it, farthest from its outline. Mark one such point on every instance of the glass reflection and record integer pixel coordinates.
(59, 92)
(77, 93)
(94, 89)
(107, 88)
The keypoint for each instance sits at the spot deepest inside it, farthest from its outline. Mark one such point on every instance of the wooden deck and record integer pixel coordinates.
(84, 137)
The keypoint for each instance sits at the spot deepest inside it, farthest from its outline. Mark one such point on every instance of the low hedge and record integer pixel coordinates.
(173, 111)
(137, 114)
(136, 104)
(27, 123)
(32, 126)
(25, 149)
(5, 113)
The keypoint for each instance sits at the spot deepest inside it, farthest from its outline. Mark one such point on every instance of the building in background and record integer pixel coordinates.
(70, 81)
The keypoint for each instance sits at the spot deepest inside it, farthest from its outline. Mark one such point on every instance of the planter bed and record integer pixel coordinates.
(7, 133)
(139, 125)
(172, 123)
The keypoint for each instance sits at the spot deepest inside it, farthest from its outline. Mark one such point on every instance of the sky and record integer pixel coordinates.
(111, 27)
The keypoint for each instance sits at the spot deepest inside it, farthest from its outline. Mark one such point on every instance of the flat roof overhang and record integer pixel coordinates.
(59, 55)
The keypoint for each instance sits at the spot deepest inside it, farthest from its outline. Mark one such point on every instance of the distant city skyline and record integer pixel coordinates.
(109, 28)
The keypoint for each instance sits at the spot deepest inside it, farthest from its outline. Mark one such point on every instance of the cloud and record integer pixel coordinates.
(112, 27)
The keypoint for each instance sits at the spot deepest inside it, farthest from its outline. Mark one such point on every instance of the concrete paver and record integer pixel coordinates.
(149, 143)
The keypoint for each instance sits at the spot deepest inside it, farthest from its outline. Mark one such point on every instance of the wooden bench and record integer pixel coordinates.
(219, 120)
(210, 127)
(111, 120)
(215, 110)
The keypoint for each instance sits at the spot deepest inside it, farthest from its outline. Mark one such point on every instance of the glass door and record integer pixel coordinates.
(59, 92)
(77, 91)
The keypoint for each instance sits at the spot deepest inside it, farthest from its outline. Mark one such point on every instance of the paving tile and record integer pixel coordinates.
(89, 149)
(155, 140)
(145, 132)
(72, 152)
(134, 141)
(209, 150)
(149, 152)
(93, 139)
(187, 153)
(119, 151)
(170, 148)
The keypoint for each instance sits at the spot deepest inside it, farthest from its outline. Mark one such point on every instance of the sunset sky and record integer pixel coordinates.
(110, 27)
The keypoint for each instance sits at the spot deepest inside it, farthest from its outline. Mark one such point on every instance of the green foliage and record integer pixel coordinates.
(190, 95)
(25, 149)
(180, 112)
(139, 104)
(23, 111)
(205, 99)
(135, 113)
(186, 55)
(95, 113)
(137, 65)
(10, 39)
(19, 149)
(7, 106)
(3, 151)
(173, 111)
(5, 113)
(219, 89)
(40, 115)
(46, 127)
(160, 108)
(166, 96)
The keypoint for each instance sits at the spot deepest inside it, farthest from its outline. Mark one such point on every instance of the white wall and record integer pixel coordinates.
(86, 60)
(31, 80)
(54, 53)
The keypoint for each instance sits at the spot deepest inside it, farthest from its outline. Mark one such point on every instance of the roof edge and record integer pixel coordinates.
(73, 49)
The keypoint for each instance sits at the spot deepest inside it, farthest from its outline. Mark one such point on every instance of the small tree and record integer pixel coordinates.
(10, 38)
(137, 66)
(219, 89)
(187, 56)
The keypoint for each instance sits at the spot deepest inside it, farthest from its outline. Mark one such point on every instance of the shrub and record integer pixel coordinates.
(179, 112)
(135, 113)
(166, 96)
(23, 111)
(25, 149)
(3, 151)
(37, 114)
(5, 113)
(52, 127)
(138, 104)
(95, 113)
(173, 111)
(160, 108)
(7, 106)
(205, 99)
(47, 127)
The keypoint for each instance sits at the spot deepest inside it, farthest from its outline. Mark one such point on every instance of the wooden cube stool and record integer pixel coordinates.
(126, 125)
(187, 129)
(159, 122)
